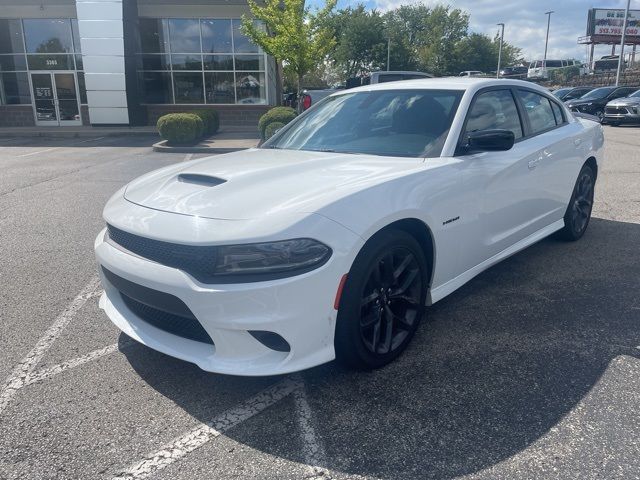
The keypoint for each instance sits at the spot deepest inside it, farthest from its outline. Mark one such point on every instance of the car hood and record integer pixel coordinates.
(578, 103)
(625, 102)
(258, 182)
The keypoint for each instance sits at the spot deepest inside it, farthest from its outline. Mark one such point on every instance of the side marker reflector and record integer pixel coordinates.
(336, 303)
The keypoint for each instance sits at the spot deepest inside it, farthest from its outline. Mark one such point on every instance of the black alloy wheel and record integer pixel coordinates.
(383, 301)
(600, 115)
(578, 214)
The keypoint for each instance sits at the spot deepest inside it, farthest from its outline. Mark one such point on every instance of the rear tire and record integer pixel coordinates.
(382, 302)
(578, 214)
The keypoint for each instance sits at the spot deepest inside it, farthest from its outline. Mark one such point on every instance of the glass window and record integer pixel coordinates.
(155, 87)
(554, 63)
(402, 123)
(220, 87)
(249, 62)
(76, 35)
(186, 62)
(185, 35)
(495, 109)
(10, 36)
(48, 35)
(14, 89)
(538, 110)
(50, 62)
(241, 43)
(83, 88)
(12, 63)
(79, 64)
(187, 87)
(218, 62)
(216, 36)
(154, 62)
(154, 35)
(250, 88)
(557, 112)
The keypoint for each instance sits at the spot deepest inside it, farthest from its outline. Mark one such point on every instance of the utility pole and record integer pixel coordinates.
(388, 52)
(546, 43)
(624, 37)
(500, 50)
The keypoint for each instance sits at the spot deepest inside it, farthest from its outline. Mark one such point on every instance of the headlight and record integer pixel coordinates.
(287, 256)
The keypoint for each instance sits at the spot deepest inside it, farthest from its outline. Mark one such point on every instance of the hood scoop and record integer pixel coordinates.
(199, 179)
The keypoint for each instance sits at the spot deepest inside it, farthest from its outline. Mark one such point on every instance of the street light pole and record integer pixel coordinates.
(624, 37)
(500, 50)
(546, 43)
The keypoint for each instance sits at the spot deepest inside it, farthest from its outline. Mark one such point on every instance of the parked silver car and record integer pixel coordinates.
(623, 110)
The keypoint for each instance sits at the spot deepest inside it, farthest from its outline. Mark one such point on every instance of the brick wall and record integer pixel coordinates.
(16, 116)
(232, 115)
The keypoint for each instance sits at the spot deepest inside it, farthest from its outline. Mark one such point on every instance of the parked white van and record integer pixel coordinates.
(538, 69)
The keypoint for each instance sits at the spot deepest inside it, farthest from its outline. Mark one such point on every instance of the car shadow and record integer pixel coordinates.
(496, 365)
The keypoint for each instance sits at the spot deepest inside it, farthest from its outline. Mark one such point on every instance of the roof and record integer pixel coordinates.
(445, 83)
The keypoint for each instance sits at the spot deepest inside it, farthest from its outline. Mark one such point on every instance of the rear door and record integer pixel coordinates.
(558, 160)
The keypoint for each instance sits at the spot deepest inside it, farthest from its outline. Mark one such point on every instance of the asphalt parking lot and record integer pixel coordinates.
(530, 371)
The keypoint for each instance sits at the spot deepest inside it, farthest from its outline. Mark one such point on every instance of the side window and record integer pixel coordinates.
(495, 109)
(557, 112)
(538, 110)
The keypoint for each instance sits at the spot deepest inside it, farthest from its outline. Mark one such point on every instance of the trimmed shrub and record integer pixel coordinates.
(277, 114)
(271, 129)
(211, 120)
(179, 128)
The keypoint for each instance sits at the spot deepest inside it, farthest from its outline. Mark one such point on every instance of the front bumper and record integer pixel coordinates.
(299, 309)
(621, 115)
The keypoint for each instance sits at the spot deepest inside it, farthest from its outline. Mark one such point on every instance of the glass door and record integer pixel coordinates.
(67, 99)
(44, 99)
(56, 99)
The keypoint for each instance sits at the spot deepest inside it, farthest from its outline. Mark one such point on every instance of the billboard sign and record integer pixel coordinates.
(610, 22)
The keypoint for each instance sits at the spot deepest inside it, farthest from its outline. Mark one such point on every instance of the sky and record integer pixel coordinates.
(525, 21)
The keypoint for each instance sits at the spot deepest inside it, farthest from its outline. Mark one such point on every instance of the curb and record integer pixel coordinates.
(163, 147)
(76, 134)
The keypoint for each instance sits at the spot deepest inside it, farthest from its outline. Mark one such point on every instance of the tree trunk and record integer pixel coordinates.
(299, 93)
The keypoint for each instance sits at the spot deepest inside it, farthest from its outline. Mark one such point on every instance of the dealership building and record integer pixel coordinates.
(126, 62)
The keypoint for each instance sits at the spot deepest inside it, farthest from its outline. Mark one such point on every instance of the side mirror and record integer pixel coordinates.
(489, 141)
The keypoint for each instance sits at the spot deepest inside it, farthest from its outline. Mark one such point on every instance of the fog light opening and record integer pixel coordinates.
(271, 340)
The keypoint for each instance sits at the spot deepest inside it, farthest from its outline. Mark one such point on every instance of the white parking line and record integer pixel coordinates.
(187, 157)
(36, 153)
(180, 447)
(45, 373)
(24, 369)
(314, 454)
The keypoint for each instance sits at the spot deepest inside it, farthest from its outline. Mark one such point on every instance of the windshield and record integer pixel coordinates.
(400, 123)
(598, 93)
(635, 94)
(561, 91)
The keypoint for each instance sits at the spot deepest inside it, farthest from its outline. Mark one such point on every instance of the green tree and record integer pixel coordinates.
(480, 52)
(430, 34)
(361, 42)
(291, 33)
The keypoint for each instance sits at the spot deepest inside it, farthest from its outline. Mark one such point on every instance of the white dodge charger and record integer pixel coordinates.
(330, 239)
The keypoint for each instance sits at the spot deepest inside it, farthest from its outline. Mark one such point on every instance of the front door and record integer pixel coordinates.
(56, 99)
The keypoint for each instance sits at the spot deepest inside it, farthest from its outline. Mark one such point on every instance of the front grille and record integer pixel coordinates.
(616, 110)
(198, 261)
(162, 310)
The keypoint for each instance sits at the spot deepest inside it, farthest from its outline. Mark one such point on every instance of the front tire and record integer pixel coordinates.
(382, 302)
(578, 214)
(600, 115)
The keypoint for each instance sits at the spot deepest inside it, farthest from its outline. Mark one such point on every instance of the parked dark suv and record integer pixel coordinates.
(593, 103)
(571, 93)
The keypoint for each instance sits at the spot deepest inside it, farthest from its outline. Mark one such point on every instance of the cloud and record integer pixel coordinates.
(526, 23)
